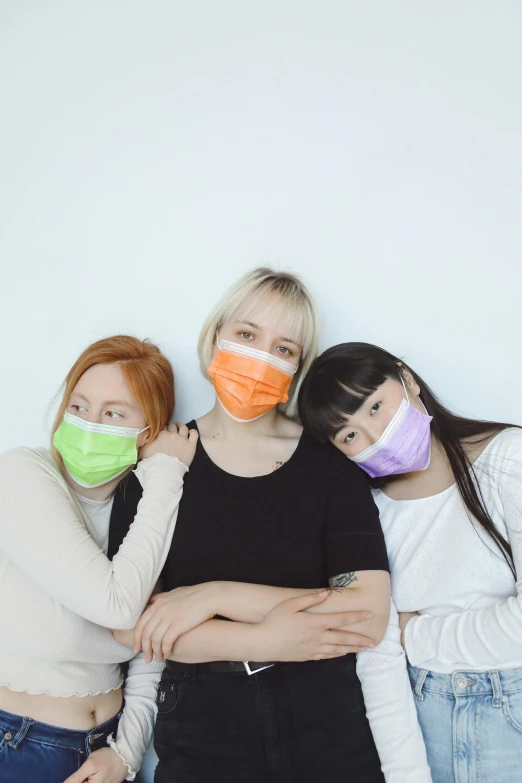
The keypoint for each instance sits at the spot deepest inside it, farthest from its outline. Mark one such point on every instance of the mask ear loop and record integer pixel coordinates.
(407, 396)
(404, 387)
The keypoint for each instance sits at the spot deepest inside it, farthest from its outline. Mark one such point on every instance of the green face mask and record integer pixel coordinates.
(95, 453)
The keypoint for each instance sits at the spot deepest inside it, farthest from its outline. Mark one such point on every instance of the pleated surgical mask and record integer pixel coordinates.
(404, 446)
(249, 382)
(94, 454)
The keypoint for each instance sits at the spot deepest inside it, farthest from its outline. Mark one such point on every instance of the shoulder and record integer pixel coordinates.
(25, 464)
(345, 469)
(23, 455)
(341, 471)
(504, 451)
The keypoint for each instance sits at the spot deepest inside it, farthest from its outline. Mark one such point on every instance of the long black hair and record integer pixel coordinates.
(343, 377)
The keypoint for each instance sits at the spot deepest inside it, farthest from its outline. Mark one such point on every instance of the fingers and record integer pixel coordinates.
(172, 427)
(341, 651)
(157, 639)
(338, 619)
(168, 643)
(337, 649)
(151, 630)
(303, 602)
(155, 597)
(148, 639)
(182, 429)
(81, 774)
(346, 638)
(193, 436)
(147, 615)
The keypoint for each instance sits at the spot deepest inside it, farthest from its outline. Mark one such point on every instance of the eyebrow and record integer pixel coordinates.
(107, 402)
(256, 326)
(343, 426)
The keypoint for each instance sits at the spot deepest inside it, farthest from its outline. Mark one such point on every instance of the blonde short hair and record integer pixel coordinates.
(244, 296)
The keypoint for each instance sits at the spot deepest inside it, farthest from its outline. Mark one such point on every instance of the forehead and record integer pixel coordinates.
(391, 389)
(104, 381)
(272, 314)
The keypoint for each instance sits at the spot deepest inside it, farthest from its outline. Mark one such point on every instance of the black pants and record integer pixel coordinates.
(293, 723)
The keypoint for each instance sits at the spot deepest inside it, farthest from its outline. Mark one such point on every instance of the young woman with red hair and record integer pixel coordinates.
(61, 688)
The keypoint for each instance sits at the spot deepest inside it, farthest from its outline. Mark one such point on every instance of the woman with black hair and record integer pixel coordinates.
(449, 492)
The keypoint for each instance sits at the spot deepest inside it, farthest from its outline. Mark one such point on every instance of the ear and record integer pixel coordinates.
(409, 380)
(143, 438)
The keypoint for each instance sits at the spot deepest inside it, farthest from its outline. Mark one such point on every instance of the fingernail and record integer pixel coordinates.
(368, 616)
(369, 647)
(323, 593)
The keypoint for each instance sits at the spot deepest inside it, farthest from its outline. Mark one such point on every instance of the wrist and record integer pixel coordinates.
(407, 631)
(218, 592)
(258, 643)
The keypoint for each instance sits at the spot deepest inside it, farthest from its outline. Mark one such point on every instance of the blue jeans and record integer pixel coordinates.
(33, 752)
(471, 723)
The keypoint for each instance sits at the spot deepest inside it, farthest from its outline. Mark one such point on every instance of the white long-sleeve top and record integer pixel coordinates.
(60, 593)
(391, 710)
(446, 568)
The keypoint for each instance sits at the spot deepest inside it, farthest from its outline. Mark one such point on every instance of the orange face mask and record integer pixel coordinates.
(248, 382)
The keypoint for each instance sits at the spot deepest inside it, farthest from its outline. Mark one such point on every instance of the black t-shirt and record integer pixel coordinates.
(311, 519)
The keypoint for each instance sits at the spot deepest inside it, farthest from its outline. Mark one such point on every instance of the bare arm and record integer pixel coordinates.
(217, 640)
(367, 591)
(287, 633)
(364, 602)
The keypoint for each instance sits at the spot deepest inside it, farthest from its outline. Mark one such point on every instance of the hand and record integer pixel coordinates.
(290, 633)
(404, 619)
(169, 615)
(102, 766)
(176, 440)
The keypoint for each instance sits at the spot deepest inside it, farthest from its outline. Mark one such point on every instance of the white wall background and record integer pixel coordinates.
(151, 152)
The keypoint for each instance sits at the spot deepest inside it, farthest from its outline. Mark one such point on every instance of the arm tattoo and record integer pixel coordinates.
(342, 580)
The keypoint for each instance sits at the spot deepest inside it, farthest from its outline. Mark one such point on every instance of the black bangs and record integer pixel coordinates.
(341, 379)
(338, 383)
(326, 419)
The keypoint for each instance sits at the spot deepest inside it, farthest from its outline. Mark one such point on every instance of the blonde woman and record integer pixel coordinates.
(267, 516)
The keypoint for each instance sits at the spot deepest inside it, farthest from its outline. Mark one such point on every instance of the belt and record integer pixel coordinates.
(219, 667)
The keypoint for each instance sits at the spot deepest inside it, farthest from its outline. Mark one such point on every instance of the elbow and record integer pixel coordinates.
(380, 622)
(122, 617)
(125, 613)
(124, 624)
(378, 631)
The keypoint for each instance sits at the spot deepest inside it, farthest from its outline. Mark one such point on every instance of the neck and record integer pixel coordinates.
(94, 493)
(217, 423)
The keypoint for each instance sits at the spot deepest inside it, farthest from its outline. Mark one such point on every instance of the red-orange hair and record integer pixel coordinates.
(147, 371)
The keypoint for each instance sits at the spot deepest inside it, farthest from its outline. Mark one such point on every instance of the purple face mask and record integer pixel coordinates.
(404, 446)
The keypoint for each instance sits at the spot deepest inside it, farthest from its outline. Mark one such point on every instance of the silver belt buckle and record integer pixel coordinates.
(255, 671)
